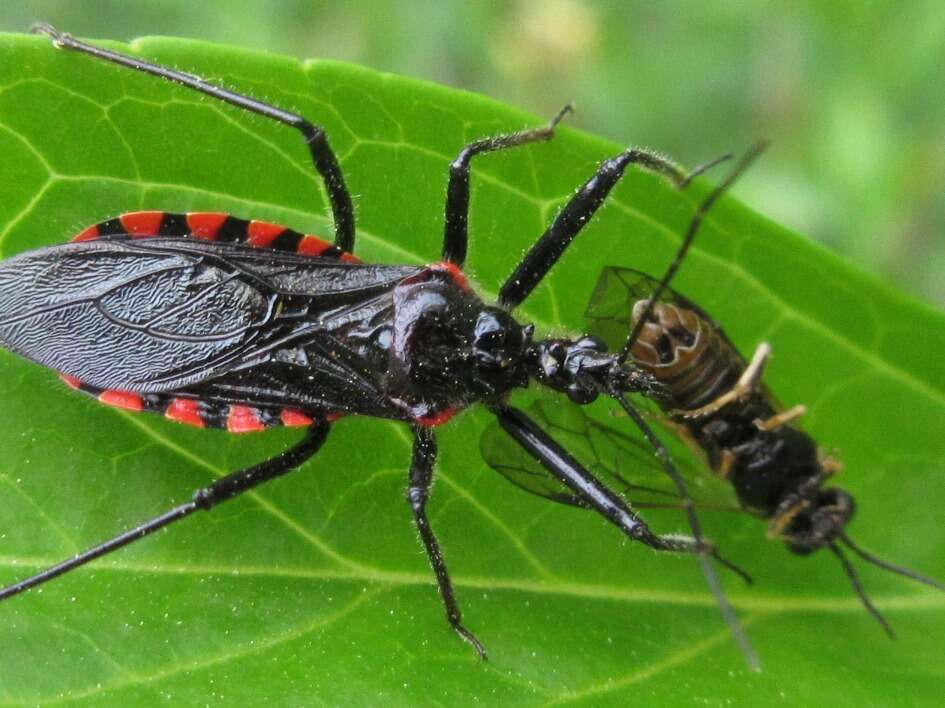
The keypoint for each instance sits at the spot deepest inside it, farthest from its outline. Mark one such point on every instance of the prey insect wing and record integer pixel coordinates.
(609, 313)
(615, 453)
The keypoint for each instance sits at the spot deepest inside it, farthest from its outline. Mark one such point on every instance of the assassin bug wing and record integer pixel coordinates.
(118, 316)
(623, 461)
(162, 314)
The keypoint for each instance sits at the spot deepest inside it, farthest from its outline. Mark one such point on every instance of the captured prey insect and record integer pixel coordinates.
(716, 402)
(217, 321)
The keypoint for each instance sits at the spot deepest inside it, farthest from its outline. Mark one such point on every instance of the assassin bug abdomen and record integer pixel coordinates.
(217, 321)
(718, 404)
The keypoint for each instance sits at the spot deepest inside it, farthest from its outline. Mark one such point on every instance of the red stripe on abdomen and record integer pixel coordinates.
(142, 223)
(205, 224)
(261, 233)
(185, 410)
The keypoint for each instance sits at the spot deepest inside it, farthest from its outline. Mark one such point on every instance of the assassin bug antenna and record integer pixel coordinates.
(690, 235)
(728, 612)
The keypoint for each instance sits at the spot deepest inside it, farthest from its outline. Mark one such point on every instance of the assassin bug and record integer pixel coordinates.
(217, 321)
(717, 404)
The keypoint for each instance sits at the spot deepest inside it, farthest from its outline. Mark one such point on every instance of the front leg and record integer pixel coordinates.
(577, 213)
(556, 460)
(421, 476)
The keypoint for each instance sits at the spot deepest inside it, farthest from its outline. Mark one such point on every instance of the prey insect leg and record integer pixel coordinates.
(728, 614)
(421, 477)
(455, 234)
(326, 164)
(746, 385)
(203, 500)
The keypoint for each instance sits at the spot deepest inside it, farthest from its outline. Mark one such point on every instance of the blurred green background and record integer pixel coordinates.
(851, 94)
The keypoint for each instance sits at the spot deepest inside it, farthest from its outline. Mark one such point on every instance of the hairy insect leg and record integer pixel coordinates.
(746, 385)
(554, 458)
(203, 500)
(598, 496)
(326, 164)
(576, 214)
(456, 227)
(421, 477)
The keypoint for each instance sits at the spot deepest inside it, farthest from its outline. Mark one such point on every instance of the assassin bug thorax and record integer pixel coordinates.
(217, 321)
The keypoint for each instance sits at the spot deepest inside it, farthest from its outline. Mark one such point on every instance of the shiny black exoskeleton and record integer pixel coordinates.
(217, 321)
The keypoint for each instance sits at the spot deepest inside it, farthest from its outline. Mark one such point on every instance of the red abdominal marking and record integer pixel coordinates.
(243, 419)
(261, 233)
(185, 410)
(292, 417)
(142, 223)
(205, 224)
(122, 399)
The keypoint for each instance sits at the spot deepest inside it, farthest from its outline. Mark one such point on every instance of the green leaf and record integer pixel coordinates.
(314, 589)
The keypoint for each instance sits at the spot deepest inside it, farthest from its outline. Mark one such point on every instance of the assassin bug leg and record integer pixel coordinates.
(421, 477)
(575, 215)
(203, 500)
(593, 493)
(323, 158)
(455, 234)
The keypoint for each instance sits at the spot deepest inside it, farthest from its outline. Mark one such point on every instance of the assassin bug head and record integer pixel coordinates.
(584, 368)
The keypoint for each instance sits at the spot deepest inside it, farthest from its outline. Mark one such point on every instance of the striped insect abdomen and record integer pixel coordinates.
(686, 354)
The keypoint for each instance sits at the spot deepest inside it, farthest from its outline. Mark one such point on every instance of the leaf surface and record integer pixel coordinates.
(314, 590)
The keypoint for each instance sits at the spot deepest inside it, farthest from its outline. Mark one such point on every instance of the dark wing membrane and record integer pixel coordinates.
(611, 451)
(609, 312)
(162, 314)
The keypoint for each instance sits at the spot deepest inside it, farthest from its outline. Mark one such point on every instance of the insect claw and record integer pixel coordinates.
(568, 108)
(470, 638)
(49, 31)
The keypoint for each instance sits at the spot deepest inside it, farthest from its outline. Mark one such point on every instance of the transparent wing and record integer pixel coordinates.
(609, 312)
(612, 450)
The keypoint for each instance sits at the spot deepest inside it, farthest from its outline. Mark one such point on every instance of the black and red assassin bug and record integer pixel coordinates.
(221, 322)
(716, 403)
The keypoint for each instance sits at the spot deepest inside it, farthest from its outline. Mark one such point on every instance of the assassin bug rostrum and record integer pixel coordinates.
(221, 322)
